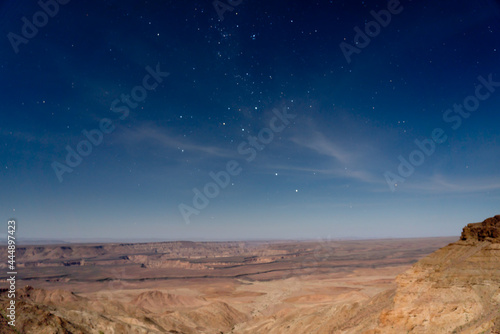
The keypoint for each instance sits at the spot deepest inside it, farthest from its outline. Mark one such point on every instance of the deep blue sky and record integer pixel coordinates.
(322, 176)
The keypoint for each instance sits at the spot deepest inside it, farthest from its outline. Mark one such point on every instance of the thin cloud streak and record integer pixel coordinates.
(439, 184)
(358, 175)
(316, 141)
(148, 132)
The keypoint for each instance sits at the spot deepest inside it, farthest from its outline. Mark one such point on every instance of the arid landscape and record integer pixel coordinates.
(250, 167)
(335, 286)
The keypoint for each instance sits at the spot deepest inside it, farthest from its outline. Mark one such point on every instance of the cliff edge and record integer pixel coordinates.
(454, 290)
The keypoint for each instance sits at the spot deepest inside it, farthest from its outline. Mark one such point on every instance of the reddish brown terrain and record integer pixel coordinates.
(454, 290)
(369, 286)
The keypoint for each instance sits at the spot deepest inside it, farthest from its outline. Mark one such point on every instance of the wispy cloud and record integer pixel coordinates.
(161, 136)
(346, 173)
(316, 141)
(441, 184)
(349, 154)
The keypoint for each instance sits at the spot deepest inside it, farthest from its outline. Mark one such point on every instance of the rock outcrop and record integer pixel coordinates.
(454, 290)
(488, 230)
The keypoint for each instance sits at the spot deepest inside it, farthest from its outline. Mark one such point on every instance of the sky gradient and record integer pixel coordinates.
(204, 87)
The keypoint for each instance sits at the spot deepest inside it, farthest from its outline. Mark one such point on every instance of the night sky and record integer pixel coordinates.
(117, 116)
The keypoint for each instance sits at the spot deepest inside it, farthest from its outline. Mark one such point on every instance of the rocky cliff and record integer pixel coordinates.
(454, 290)
(488, 230)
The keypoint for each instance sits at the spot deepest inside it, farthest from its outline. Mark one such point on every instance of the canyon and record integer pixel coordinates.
(421, 285)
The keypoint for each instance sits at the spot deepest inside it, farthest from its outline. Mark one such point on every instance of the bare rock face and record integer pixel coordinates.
(454, 290)
(488, 230)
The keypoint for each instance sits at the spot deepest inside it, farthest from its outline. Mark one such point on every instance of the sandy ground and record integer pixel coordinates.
(265, 281)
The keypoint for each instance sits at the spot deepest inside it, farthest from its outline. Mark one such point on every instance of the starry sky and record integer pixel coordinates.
(228, 120)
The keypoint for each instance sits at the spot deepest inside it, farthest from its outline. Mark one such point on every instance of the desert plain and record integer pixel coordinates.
(315, 286)
(390, 286)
